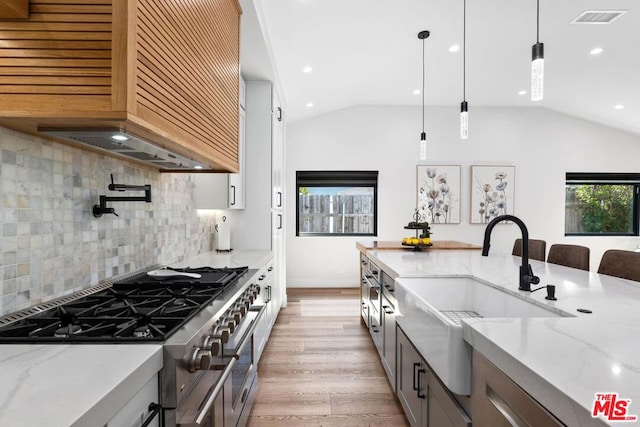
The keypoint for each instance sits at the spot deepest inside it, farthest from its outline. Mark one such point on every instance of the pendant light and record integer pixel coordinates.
(422, 35)
(537, 62)
(464, 112)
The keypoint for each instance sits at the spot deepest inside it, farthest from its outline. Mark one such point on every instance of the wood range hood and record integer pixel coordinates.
(165, 75)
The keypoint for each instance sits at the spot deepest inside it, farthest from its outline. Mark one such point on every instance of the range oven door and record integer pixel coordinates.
(224, 391)
(242, 383)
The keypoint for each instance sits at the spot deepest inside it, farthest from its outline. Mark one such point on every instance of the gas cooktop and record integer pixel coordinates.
(141, 308)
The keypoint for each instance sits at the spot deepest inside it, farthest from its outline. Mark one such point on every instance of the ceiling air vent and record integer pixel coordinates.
(598, 16)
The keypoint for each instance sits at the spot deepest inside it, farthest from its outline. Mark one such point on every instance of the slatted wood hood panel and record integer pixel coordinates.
(166, 71)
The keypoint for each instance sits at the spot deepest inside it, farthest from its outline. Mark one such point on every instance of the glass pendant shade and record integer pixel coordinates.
(464, 120)
(537, 71)
(423, 146)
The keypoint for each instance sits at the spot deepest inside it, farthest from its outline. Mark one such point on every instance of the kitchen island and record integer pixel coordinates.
(88, 384)
(561, 362)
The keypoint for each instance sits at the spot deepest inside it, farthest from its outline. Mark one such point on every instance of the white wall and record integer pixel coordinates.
(543, 145)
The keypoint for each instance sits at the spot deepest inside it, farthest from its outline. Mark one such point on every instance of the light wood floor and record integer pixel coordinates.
(320, 367)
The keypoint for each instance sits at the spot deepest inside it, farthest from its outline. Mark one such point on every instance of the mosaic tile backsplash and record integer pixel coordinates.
(50, 242)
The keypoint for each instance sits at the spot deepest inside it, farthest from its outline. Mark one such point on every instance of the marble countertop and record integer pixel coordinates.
(561, 362)
(82, 385)
(71, 385)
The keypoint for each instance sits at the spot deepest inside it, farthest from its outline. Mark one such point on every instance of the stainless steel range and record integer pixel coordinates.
(205, 317)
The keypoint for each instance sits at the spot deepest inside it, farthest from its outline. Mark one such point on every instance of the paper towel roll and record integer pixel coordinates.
(223, 240)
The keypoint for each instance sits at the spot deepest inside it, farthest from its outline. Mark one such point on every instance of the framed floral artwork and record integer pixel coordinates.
(492, 192)
(438, 193)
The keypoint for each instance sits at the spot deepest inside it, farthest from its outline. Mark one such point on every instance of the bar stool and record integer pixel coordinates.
(619, 263)
(537, 249)
(574, 256)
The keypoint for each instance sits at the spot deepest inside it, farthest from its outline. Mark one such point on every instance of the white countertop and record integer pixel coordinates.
(238, 258)
(561, 362)
(83, 385)
(71, 385)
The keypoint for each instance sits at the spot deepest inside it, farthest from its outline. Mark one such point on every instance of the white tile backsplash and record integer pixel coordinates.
(50, 243)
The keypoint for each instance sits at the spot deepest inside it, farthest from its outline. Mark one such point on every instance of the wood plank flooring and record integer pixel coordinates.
(320, 367)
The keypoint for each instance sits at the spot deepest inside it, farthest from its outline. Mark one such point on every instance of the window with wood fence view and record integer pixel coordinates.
(336, 210)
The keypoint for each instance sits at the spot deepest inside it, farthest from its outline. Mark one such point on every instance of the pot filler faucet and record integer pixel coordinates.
(526, 273)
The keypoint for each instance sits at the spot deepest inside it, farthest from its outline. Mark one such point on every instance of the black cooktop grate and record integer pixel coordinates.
(138, 309)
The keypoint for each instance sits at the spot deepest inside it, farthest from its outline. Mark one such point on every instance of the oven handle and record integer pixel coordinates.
(226, 372)
(215, 392)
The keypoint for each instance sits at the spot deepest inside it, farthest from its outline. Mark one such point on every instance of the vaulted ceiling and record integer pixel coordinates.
(367, 52)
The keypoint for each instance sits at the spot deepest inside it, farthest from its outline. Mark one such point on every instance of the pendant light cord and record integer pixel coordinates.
(464, 51)
(423, 79)
(537, 21)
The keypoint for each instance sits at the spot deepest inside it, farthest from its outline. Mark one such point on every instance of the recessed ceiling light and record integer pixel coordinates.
(417, 92)
(596, 51)
(454, 48)
(309, 104)
(618, 106)
(522, 92)
(307, 69)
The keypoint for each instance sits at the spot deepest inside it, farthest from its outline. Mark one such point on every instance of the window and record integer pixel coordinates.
(337, 203)
(601, 204)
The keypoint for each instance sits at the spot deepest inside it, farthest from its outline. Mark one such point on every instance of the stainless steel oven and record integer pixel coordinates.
(229, 385)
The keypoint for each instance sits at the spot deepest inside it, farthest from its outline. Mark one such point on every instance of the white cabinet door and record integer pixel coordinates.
(211, 190)
(225, 190)
(236, 180)
(278, 198)
(137, 408)
(277, 157)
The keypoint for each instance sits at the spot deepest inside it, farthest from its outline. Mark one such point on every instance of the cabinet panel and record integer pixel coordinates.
(375, 329)
(223, 190)
(410, 374)
(136, 409)
(443, 409)
(277, 157)
(498, 401)
(236, 180)
(389, 339)
(425, 400)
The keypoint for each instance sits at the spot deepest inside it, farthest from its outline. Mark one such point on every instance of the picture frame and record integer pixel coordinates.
(492, 192)
(438, 193)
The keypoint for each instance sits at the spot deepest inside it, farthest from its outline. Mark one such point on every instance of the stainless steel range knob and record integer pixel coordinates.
(237, 316)
(243, 307)
(221, 332)
(231, 324)
(213, 344)
(200, 360)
